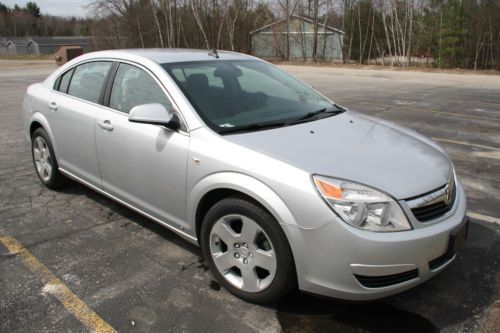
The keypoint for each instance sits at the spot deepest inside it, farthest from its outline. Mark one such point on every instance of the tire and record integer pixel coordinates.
(256, 239)
(45, 161)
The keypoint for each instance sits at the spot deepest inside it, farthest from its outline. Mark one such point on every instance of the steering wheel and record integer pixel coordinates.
(255, 100)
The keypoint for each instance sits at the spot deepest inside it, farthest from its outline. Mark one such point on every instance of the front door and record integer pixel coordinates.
(143, 165)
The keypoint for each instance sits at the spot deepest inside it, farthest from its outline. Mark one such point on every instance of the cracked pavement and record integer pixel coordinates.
(140, 277)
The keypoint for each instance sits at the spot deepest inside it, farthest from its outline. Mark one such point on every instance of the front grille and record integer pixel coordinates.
(434, 210)
(386, 280)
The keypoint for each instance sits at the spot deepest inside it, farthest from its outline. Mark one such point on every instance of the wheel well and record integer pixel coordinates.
(34, 125)
(214, 196)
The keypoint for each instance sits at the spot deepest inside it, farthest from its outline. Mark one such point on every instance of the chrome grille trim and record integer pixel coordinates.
(434, 205)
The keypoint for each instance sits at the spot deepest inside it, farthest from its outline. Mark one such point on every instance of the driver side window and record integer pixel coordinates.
(132, 86)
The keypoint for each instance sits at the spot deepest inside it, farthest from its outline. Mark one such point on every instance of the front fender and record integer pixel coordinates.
(261, 193)
(242, 183)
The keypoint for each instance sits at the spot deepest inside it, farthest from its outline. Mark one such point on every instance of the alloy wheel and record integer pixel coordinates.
(43, 159)
(243, 253)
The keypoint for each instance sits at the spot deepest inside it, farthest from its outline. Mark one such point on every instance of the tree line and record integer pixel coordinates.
(439, 33)
(221, 24)
(454, 33)
(28, 21)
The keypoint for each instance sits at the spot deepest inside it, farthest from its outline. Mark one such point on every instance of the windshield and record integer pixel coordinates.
(246, 94)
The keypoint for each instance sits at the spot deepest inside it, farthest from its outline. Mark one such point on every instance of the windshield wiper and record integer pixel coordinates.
(313, 114)
(259, 126)
(251, 127)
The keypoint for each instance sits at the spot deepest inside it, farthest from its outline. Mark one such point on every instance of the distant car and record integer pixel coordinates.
(279, 185)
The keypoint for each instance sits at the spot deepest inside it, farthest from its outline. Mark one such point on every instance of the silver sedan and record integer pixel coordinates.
(279, 185)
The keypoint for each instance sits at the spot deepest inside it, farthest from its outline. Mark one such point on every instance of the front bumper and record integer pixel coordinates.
(340, 261)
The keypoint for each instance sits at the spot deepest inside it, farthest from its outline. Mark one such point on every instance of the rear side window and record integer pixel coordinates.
(64, 83)
(132, 86)
(88, 80)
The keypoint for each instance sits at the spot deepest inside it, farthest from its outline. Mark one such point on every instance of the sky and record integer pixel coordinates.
(55, 7)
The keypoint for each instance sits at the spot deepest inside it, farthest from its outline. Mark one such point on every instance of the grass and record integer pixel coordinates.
(26, 57)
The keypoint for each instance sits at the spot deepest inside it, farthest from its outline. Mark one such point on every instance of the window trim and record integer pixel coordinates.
(72, 70)
(110, 77)
(58, 80)
(57, 84)
(184, 126)
(184, 131)
(99, 99)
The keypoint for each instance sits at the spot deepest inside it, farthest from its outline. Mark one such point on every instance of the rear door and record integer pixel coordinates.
(73, 107)
(143, 165)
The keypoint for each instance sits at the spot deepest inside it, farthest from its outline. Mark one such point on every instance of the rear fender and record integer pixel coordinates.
(40, 118)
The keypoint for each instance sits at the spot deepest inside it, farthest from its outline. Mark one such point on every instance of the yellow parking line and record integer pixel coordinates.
(57, 288)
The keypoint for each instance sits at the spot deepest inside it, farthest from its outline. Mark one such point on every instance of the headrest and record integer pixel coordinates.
(197, 83)
(228, 72)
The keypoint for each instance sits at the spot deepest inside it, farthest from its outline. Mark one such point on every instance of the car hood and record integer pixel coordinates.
(359, 148)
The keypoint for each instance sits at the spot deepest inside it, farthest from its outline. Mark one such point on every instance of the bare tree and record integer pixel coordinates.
(387, 37)
(315, 30)
(194, 7)
(140, 31)
(288, 8)
(157, 22)
(231, 20)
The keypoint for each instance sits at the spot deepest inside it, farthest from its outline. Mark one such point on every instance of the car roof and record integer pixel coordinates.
(166, 55)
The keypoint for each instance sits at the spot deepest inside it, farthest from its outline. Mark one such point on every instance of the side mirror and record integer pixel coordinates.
(154, 114)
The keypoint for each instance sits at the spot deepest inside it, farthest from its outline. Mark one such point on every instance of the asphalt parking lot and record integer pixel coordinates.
(77, 252)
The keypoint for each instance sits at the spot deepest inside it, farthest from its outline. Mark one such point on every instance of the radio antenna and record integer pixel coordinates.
(213, 53)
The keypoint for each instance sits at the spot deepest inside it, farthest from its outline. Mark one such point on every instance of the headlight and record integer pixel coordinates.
(361, 206)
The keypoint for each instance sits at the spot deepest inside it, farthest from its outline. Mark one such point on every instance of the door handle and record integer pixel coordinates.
(53, 106)
(106, 124)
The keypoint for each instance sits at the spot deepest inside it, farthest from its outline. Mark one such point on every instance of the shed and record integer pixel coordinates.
(269, 41)
(3, 45)
(16, 46)
(66, 53)
(49, 45)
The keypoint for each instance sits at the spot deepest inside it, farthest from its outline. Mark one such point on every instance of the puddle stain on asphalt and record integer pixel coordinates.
(200, 263)
(214, 285)
(299, 312)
